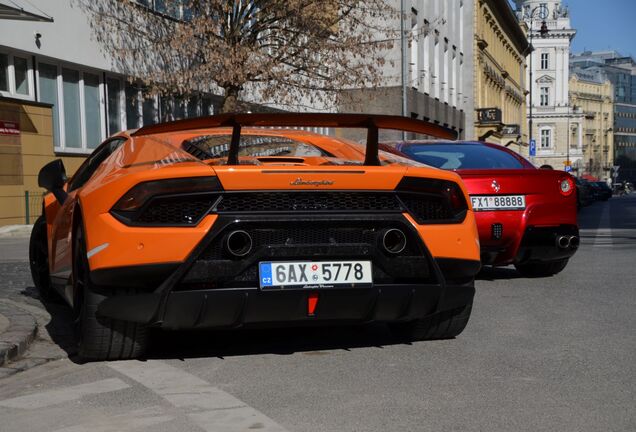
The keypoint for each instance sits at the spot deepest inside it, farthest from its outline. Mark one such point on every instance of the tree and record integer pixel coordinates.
(284, 51)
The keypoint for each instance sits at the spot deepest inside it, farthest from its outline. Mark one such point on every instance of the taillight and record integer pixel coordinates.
(456, 197)
(432, 200)
(136, 197)
(566, 186)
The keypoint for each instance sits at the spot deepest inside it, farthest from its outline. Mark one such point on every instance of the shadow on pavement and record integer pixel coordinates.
(490, 273)
(279, 341)
(60, 327)
(166, 344)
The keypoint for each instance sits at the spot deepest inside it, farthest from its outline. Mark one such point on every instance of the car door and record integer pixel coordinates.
(62, 228)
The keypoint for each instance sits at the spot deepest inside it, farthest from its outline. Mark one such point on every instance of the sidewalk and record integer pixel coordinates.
(18, 329)
(18, 326)
(15, 231)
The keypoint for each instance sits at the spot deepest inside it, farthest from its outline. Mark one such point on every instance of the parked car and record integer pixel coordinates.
(583, 192)
(224, 222)
(601, 190)
(525, 216)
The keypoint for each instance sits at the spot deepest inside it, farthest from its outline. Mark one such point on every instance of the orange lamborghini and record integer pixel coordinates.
(238, 221)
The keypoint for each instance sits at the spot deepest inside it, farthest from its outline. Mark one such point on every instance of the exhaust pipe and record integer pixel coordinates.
(238, 243)
(574, 242)
(563, 242)
(393, 241)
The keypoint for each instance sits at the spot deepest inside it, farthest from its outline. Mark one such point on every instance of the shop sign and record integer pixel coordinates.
(489, 116)
(9, 128)
(512, 129)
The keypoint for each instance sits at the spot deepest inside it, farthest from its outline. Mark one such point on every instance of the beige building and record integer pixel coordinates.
(594, 97)
(26, 144)
(500, 49)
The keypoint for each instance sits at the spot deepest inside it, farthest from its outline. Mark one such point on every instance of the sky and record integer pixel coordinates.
(603, 25)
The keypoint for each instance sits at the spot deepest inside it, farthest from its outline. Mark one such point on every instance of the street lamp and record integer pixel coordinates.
(540, 12)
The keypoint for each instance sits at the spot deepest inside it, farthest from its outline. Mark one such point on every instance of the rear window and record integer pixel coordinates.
(454, 156)
(218, 146)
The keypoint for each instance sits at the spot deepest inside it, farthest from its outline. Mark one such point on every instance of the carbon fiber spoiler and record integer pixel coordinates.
(358, 121)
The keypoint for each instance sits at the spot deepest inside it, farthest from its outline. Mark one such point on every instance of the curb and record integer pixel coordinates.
(19, 335)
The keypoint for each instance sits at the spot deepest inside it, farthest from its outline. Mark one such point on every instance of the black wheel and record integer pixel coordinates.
(541, 269)
(101, 338)
(39, 261)
(442, 325)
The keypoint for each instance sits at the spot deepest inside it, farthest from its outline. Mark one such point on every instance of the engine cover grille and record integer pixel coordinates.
(286, 202)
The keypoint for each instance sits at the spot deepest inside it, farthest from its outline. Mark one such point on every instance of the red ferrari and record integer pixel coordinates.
(525, 216)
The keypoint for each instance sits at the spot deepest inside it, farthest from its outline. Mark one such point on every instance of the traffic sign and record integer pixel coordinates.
(533, 147)
(568, 168)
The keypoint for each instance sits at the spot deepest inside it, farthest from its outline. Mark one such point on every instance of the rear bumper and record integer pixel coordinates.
(406, 289)
(251, 307)
(539, 244)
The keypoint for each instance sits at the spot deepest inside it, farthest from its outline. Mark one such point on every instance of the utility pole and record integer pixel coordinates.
(404, 61)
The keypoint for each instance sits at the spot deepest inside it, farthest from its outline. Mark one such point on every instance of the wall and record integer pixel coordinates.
(499, 72)
(438, 80)
(22, 156)
(596, 102)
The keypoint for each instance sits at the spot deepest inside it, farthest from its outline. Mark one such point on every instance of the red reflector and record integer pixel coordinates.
(312, 302)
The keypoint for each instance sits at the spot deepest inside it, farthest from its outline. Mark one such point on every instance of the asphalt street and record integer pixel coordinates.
(552, 354)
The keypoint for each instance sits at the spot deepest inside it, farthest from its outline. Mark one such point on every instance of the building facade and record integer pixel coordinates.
(427, 74)
(556, 122)
(61, 96)
(594, 94)
(500, 48)
(621, 72)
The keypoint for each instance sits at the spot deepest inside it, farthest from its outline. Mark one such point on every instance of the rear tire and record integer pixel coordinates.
(102, 338)
(442, 325)
(542, 269)
(108, 339)
(39, 261)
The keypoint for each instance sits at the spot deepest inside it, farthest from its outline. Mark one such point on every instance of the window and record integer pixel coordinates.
(71, 103)
(21, 71)
(92, 110)
(113, 91)
(415, 48)
(545, 61)
(149, 109)
(4, 72)
(426, 63)
(194, 109)
(545, 96)
(133, 113)
(48, 94)
(436, 78)
(16, 78)
(207, 107)
(76, 96)
(546, 138)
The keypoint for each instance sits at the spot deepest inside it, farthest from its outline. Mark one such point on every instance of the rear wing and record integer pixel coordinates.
(372, 123)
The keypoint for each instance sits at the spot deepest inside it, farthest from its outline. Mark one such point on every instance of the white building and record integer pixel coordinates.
(436, 65)
(48, 54)
(556, 124)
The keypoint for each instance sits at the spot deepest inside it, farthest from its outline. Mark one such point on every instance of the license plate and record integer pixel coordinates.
(498, 202)
(312, 274)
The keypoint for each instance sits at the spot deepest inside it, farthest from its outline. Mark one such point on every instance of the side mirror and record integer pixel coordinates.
(52, 177)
